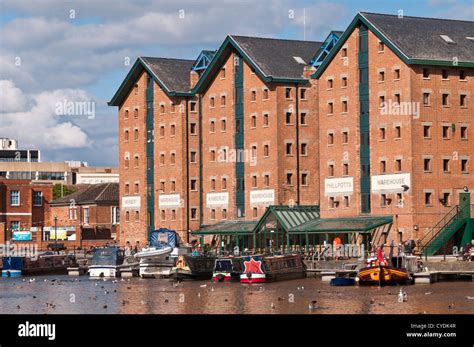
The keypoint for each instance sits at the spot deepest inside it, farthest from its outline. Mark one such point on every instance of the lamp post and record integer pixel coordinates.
(55, 232)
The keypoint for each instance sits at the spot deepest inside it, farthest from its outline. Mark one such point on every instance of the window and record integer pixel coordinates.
(193, 128)
(446, 200)
(127, 216)
(345, 169)
(398, 164)
(398, 132)
(382, 133)
(127, 188)
(445, 99)
(115, 215)
(135, 135)
(444, 74)
(15, 198)
(193, 157)
(332, 202)
(224, 183)
(344, 106)
(126, 114)
(213, 155)
(445, 130)
(253, 95)
(223, 100)
(463, 133)
(288, 93)
(162, 159)
(223, 125)
(426, 73)
(381, 101)
(289, 149)
(303, 94)
(331, 170)
(137, 188)
(446, 165)
(265, 120)
(136, 160)
(73, 213)
(223, 72)
(330, 108)
(266, 179)
(428, 196)
(399, 200)
(464, 166)
(304, 149)
(163, 215)
(266, 151)
(396, 74)
(193, 106)
(381, 46)
(15, 225)
(135, 113)
(162, 108)
(193, 213)
(173, 107)
(426, 99)
(193, 184)
(253, 121)
(213, 214)
(346, 201)
(345, 137)
(426, 131)
(126, 135)
(383, 200)
(135, 89)
(265, 94)
(212, 126)
(397, 99)
(173, 214)
(86, 215)
(383, 166)
(289, 179)
(162, 131)
(381, 76)
(224, 213)
(173, 130)
(288, 118)
(254, 181)
(330, 139)
(427, 165)
(462, 75)
(212, 102)
(304, 179)
(303, 117)
(462, 100)
(213, 184)
(254, 152)
(344, 52)
(37, 198)
(255, 212)
(173, 158)
(344, 82)
(330, 83)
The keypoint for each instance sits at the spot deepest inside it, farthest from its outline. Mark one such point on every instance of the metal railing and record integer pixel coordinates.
(438, 228)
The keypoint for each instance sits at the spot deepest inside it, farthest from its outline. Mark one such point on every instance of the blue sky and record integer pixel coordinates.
(54, 50)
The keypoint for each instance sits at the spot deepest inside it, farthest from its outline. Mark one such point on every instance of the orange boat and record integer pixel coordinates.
(379, 272)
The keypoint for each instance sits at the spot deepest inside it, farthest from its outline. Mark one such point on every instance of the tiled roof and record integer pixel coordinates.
(174, 73)
(102, 193)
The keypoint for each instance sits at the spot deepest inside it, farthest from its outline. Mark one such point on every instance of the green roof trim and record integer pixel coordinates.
(342, 225)
(290, 216)
(358, 19)
(227, 228)
(135, 72)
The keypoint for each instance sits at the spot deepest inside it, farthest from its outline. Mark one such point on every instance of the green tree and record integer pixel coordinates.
(60, 190)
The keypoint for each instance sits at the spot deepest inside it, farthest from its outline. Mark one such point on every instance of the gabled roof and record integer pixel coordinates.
(203, 60)
(415, 40)
(172, 75)
(272, 59)
(101, 193)
(289, 216)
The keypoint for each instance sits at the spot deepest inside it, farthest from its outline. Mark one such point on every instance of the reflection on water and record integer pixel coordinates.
(62, 294)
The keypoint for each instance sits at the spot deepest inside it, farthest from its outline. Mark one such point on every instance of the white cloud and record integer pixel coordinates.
(11, 97)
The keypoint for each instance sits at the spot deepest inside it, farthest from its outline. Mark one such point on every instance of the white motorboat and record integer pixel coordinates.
(105, 262)
(158, 259)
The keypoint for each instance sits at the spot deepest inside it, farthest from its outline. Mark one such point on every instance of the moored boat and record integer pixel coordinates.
(253, 269)
(44, 263)
(259, 269)
(188, 267)
(106, 262)
(379, 272)
(227, 269)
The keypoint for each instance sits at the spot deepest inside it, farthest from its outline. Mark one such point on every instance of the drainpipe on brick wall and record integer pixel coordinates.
(187, 168)
(297, 147)
(201, 209)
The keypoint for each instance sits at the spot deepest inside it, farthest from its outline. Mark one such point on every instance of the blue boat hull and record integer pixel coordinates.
(342, 281)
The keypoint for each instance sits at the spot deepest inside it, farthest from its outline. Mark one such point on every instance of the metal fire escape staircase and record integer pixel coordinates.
(445, 229)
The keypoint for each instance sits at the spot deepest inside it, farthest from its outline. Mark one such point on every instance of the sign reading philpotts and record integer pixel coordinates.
(131, 202)
(217, 199)
(390, 183)
(263, 197)
(169, 201)
(338, 186)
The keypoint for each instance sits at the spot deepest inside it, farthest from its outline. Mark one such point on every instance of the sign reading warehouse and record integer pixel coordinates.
(338, 186)
(390, 183)
(263, 197)
(169, 201)
(217, 199)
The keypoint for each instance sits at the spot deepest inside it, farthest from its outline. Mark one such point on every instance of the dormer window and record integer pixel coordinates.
(447, 39)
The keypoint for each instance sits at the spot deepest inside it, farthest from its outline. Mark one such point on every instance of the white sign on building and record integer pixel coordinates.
(131, 202)
(217, 199)
(169, 201)
(263, 197)
(338, 186)
(390, 183)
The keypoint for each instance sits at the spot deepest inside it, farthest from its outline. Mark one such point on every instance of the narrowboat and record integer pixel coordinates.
(106, 262)
(227, 269)
(157, 260)
(379, 272)
(259, 269)
(45, 263)
(188, 267)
